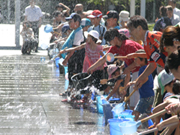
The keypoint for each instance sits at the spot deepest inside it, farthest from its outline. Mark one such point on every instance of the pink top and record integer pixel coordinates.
(91, 56)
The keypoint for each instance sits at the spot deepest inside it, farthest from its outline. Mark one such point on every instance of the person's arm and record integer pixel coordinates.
(174, 119)
(129, 68)
(40, 22)
(73, 48)
(149, 69)
(100, 62)
(135, 55)
(114, 89)
(66, 7)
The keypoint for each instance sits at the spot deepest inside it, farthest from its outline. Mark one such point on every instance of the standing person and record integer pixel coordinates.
(175, 10)
(33, 14)
(95, 17)
(174, 18)
(170, 39)
(123, 18)
(112, 19)
(146, 92)
(138, 29)
(79, 10)
(60, 7)
(121, 46)
(164, 21)
(74, 60)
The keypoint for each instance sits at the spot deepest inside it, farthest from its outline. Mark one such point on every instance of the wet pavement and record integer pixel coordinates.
(30, 101)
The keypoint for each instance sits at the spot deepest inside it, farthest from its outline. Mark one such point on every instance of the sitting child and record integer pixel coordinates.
(146, 91)
(28, 38)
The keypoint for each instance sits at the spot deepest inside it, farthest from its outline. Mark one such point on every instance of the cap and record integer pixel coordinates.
(164, 78)
(65, 28)
(111, 69)
(74, 16)
(95, 34)
(111, 14)
(95, 14)
(124, 15)
(85, 22)
(125, 32)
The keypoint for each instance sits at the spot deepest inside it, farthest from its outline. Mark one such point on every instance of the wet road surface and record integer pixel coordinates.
(30, 101)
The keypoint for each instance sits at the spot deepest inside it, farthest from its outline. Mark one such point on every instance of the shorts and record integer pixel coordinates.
(144, 105)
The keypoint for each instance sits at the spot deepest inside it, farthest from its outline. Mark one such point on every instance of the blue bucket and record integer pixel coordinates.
(126, 114)
(99, 104)
(114, 126)
(48, 28)
(57, 62)
(107, 107)
(128, 127)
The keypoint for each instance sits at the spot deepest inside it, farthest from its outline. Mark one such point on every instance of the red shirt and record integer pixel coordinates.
(151, 46)
(127, 47)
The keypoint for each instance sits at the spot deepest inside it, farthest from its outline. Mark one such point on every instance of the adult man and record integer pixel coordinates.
(95, 17)
(174, 18)
(175, 10)
(79, 10)
(138, 29)
(33, 14)
(112, 19)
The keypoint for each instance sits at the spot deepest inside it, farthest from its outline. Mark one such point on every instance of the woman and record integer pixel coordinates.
(170, 39)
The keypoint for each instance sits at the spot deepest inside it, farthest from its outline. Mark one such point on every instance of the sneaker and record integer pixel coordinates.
(64, 100)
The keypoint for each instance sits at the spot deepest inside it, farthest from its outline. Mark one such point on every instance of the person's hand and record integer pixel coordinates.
(138, 84)
(131, 55)
(90, 71)
(173, 108)
(65, 62)
(156, 19)
(160, 126)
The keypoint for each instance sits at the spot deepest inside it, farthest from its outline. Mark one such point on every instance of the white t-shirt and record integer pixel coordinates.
(78, 38)
(33, 14)
(176, 11)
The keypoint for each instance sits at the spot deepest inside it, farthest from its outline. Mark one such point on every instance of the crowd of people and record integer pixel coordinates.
(87, 38)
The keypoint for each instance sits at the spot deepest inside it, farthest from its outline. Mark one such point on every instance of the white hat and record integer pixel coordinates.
(164, 78)
(124, 15)
(94, 34)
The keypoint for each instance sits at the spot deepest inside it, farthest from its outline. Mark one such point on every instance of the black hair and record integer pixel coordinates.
(173, 60)
(112, 33)
(169, 34)
(176, 87)
(163, 11)
(142, 51)
(94, 39)
(76, 18)
(136, 21)
(56, 13)
(58, 6)
(169, 8)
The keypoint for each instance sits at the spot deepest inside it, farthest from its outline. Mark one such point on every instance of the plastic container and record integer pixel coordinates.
(127, 114)
(99, 104)
(128, 127)
(48, 28)
(107, 107)
(114, 126)
(57, 62)
(117, 110)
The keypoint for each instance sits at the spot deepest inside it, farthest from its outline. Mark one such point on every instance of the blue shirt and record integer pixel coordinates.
(147, 88)
(117, 27)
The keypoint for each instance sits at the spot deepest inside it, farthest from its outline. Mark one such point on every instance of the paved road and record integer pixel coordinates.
(30, 101)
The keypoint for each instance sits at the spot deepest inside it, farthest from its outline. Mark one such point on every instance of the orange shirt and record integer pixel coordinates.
(151, 46)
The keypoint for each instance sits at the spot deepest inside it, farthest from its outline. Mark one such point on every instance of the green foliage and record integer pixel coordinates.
(151, 26)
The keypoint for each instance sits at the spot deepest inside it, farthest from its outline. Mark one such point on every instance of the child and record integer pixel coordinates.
(146, 91)
(92, 54)
(95, 17)
(28, 38)
(92, 50)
